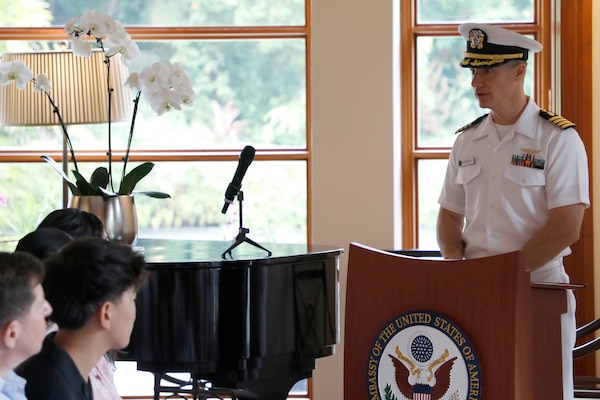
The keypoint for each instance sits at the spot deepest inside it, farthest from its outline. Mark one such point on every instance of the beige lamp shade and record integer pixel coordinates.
(78, 89)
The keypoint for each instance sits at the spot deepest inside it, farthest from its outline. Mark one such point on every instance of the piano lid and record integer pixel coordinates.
(177, 253)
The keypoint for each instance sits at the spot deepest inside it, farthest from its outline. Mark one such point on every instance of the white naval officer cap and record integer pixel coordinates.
(490, 46)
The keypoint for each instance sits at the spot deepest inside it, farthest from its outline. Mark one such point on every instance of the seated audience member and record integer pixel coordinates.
(79, 224)
(23, 312)
(75, 222)
(43, 242)
(91, 284)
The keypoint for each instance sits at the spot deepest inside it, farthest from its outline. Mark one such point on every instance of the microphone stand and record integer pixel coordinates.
(241, 236)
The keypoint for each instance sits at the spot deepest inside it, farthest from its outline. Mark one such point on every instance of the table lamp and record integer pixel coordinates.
(78, 89)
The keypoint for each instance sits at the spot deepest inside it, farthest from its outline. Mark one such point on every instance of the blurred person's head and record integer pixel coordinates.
(75, 222)
(23, 308)
(92, 278)
(43, 242)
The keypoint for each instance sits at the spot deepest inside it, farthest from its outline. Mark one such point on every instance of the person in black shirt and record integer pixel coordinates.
(91, 284)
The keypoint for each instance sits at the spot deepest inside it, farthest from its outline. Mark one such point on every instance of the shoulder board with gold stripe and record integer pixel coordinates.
(557, 120)
(470, 124)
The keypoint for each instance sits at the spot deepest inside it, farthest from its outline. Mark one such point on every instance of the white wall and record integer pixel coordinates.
(352, 139)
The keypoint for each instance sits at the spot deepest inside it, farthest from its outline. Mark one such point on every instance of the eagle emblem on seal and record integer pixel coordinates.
(432, 382)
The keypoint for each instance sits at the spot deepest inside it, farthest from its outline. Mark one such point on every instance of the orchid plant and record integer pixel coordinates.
(165, 85)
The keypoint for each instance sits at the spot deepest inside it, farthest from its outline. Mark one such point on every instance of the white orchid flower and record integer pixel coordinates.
(179, 76)
(118, 30)
(176, 69)
(71, 28)
(130, 52)
(112, 45)
(96, 24)
(133, 82)
(81, 48)
(153, 78)
(42, 83)
(15, 71)
(187, 96)
(164, 101)
(124, 45)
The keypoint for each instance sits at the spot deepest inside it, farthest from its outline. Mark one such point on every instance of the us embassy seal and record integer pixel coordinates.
(421, 355)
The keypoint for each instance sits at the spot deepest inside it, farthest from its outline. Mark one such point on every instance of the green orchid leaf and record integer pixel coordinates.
(74, 189)
(154, 194)
(100, 178)
(106, 192)
(134, 176)
(85, 187)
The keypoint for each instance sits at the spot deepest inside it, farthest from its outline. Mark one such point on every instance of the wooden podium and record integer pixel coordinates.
(513, 325)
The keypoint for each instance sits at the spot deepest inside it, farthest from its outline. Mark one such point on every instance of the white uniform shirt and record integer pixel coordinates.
(505, 203)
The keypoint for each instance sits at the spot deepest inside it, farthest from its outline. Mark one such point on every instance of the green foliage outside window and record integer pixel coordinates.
(431, 11)
(248, 92)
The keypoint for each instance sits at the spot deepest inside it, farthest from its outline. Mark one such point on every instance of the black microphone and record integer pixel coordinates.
(246, 157)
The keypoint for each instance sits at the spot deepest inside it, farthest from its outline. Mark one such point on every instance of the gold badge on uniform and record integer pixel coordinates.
(476, 38)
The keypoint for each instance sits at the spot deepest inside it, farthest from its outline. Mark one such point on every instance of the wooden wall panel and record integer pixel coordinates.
(575, 31)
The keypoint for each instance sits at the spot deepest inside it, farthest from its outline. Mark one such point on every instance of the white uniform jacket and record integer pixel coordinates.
(504, 188)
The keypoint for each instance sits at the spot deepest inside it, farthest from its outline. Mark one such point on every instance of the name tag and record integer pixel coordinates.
(466, 161)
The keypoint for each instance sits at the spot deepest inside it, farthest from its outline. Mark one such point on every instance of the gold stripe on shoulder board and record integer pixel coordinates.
(557, 120)
(470, 124)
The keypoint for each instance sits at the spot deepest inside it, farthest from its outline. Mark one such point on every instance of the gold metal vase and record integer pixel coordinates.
(117, 213)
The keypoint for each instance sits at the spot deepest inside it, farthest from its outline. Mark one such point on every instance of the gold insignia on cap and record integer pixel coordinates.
(476, 38)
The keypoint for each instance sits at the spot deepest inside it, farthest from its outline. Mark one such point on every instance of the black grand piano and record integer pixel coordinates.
(247, 327)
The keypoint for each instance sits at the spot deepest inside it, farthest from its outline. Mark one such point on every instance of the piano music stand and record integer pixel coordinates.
(241, 236)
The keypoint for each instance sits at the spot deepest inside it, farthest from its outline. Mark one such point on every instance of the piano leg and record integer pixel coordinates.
(157, 379)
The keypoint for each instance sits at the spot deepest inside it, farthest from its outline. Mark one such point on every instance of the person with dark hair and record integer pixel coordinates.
(91, 284)
(75, 222)
(43, 242)
(79, 224)
(23, 312)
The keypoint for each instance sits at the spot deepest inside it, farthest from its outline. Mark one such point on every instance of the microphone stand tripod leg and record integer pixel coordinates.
(241, 236)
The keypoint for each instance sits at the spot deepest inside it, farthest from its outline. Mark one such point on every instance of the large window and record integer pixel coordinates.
(248, 63)
(439, 99)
